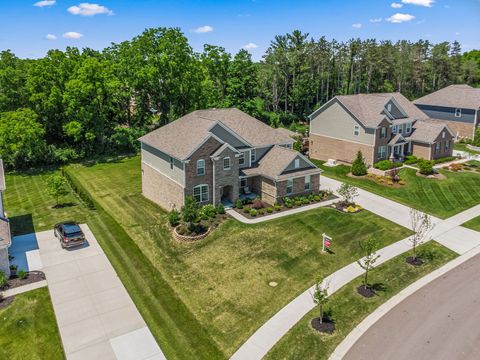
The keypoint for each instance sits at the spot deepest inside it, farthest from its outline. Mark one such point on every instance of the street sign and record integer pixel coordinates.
(326, 242)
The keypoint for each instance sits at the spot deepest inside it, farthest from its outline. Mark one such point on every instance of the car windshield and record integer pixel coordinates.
(72, 229)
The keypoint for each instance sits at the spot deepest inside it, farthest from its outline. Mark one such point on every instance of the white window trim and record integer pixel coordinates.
(383, 132)
(253, 156)
(241, 159)
(200, 173)
(408, 128)
(394, 129)
(389, 107)
(458, 112)
(243, 182)
(229, 163)
(289, 181)
(296, 163)
(308, 184)
(356, 130)
(201, 193)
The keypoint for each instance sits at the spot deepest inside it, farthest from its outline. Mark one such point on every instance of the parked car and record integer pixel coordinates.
(69, 234)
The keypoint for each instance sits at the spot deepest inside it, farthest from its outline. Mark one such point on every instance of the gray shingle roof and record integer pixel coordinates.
(455, 96)
(182, 136)
(368, 108)
(428, 130)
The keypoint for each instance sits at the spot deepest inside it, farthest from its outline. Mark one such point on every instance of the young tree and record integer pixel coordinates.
(421, 224)
(320, 297)
(369, 247)
(57, 187)
(348, 192)
(359, 168)
(190, 212)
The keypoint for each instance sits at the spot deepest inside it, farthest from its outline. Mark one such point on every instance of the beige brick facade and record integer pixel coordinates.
(324, 148)
(160, 189)
(298, 187)
(421, 151)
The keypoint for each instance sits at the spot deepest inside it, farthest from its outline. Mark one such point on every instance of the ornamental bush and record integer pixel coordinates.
(411, 159)
(239, 204)
(384, 165)
(359, 168)
(174, 218)
(426, 167)
(253, 212)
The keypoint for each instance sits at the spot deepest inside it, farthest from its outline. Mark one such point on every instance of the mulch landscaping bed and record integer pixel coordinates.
(365, 291)
(6, 301)
(436, 176)
(341, 207)
(32, 277)
(415, 262)
(326, 326)
(373, 178)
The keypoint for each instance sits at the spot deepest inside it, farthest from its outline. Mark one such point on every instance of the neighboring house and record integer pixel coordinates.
(219, 155)
(456, 105)
(5, 237)
(381, 126)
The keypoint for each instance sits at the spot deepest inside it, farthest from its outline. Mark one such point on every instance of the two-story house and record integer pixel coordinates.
(382, 126)
(456, 105)
(5, 236)
(219, 155)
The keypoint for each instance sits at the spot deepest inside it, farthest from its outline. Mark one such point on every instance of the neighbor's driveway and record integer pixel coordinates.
(439, 321)
(95, 315)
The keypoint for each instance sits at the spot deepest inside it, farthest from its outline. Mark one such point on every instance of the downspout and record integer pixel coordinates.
(214, 188)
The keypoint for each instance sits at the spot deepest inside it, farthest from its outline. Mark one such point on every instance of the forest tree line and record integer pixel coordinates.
(76, 103)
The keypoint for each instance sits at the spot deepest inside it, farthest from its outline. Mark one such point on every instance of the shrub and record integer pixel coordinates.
(306, 201)
(425, 167)
(317, 198)
(277, 207)
(220, 209)
(257, 204)
(253, 212)
(174, 218)
(208, 211)
(456, 167)
(390, 182)
(384, 165)
(401, 182)
(359, 168)
(379, 177)
(246, 210)
(289, 205)
(3, 279)
(270, 210)
(411, 159)
(22, 274)
(298, 203)
(239, 204)
(261, 211)
(369, 175)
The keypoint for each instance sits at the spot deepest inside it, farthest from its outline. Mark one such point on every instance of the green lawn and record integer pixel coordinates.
(28, 328)
(203, 300)
(473, 224)
(441, 198)
(463, 147)
(348, 308)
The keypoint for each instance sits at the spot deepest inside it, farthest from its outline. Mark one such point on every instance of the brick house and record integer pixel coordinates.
(456, 105)
(220, 155)
(382, 126)
(5, 236)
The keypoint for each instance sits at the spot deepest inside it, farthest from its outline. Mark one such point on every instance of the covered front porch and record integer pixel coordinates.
(398, 148)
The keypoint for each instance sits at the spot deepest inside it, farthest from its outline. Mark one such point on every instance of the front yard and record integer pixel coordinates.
(201, 300)
(348, 308)
(442, 198)
(473, 224)
(28, 328)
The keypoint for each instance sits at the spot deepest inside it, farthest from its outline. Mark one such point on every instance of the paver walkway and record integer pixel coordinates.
(447, 232)
(96, 317)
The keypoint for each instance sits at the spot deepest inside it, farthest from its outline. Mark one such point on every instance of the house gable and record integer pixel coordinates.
(229, 136)
(396, 111)
(302, 165)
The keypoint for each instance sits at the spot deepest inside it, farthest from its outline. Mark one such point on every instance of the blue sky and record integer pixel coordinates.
(24, 25)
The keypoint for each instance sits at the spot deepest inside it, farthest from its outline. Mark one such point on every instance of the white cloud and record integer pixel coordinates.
(44, 3)
(87, 9)
(357, 26)
(50, 37)
(203, 29)
(426, 3)
(396, 5)
(400, 18)
(72, 35)
(377, 20)
(457, 33)
(250, 46)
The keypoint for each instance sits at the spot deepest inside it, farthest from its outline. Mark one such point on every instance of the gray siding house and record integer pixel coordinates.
(5, 236)
(456, 105)
(381, 126)
(220, 155)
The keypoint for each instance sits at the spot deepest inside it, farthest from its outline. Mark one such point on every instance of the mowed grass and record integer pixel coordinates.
(28, 328)
(473, 224)
(347, 308)
(203, 300)
(441, 198)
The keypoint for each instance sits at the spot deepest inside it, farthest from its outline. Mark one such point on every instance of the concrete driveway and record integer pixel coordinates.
(96, 316)
(439, 321)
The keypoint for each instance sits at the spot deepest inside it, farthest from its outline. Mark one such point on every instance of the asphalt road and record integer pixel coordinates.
(441, 321)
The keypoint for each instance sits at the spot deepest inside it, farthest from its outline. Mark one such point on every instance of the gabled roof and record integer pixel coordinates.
(182, 136)
(427, 131)
(275, 161)
(287, 132)
(222, 148)
(369, 109)
(397, 139)
(454, 96)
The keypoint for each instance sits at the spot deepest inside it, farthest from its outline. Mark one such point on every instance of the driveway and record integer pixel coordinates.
(439, 321)
(96, 317)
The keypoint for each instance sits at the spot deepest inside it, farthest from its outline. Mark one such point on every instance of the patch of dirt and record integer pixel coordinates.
(415, 262)
(32, 277)
(6, 301)
(365, 291)
(326, 326)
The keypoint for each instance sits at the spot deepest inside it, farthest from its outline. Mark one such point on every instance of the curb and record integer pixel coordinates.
(342, 349)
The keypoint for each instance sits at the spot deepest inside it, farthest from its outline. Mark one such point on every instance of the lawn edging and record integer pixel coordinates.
(343, 348)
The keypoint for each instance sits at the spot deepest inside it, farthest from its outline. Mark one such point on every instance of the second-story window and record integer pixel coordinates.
(408, 128)
(241, 159)
(226, 163)
(253, 155)
(458, 112)
(200, 167)
(356, 130)
(383, 132)
(394, 129)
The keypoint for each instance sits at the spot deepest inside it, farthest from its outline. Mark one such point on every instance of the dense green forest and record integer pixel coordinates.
(76, 103)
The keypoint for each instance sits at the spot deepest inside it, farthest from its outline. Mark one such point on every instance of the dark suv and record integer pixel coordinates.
(69, 234)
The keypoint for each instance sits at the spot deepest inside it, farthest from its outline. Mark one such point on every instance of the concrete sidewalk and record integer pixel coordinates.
(96, 317)
(447, 232)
